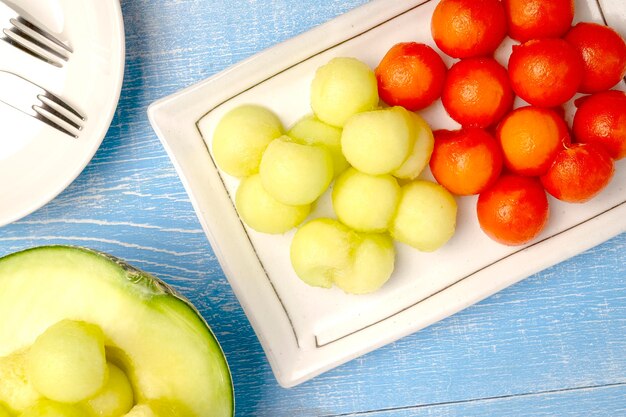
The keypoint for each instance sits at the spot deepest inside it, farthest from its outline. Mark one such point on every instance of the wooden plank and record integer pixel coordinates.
(607, 401)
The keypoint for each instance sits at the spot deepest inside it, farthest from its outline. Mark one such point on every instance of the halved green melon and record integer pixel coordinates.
(155, 336)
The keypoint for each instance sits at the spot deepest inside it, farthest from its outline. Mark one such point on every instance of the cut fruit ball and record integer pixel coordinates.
(373, 264)
(4, 412)
(545, 72)
(538, 19)
(601, 119)
(262, 212)
(604, 55)
(16, 389)
(342, 88)
(466, 161)
(379, 141)
(365, 202)
(295, 174)
(325, 252)
(530, 138)
(311, 131)
(156, 337)
(579, 173)
(47, 408)
(413, 166)
(115, 398)
(426, 216)
(468, 28)
(67, 361)
(410, 75)
(241, 137)
(514, 210)
(477, 92)
(320, 249)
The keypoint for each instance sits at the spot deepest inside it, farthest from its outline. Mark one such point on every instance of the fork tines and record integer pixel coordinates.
(36, 41)
(57, 114)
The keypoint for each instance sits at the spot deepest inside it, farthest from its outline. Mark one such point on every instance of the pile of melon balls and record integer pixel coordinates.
(374, 156)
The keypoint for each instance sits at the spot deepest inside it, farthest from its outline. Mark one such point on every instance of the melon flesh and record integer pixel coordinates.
(155, 337)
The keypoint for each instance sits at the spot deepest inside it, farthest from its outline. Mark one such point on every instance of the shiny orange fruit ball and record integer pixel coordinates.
(468, 28)
(537, 19)
(477, 92)
(465, 161)
(604, 55)
(601, 118)
(530, 138)
(514, 210)
(410, 75)
(579, 173)
(545, 72)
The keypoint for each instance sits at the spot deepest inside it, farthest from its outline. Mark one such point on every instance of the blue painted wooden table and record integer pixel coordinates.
(553, 345)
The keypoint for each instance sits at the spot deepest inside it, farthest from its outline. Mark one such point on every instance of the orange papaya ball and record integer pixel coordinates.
(468, 28)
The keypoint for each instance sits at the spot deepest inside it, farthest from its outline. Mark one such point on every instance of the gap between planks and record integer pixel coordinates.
(474, 400)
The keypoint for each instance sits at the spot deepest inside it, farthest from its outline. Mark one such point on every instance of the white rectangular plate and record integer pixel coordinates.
(306, 330)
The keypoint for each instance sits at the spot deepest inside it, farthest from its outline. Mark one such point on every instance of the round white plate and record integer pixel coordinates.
(36, 161)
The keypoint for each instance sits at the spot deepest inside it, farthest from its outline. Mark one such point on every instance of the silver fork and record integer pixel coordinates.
(32, 38)
(37, 102)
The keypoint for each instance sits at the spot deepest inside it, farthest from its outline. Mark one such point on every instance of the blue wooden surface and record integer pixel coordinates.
(552, 345)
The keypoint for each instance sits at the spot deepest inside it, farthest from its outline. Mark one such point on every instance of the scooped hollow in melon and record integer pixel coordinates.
(157, 338)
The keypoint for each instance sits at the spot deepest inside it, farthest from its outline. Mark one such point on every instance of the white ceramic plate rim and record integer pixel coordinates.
(52, 190)
(174, 119)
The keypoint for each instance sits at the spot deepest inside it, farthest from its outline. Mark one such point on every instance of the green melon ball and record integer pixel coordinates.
(379, 141)
(66, 363)
(295, 174)
(115, 398)
(426, 216)
(421, 152)
(311, 131)
(16, 389)
(342, 88)
(365, 202)
(321, 248)
(262, 212)
(241, 137)
(47, 408)
(373, 264)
